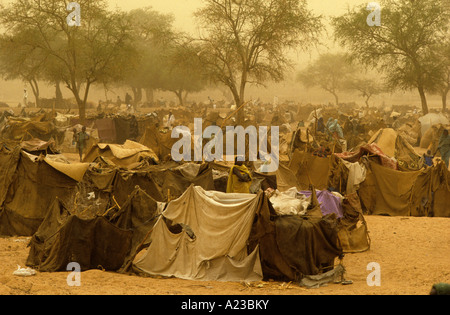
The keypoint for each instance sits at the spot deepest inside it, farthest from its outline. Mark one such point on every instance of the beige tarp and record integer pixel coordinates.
(75, 171)
(395, 146)
(221, 224)
(120, 154)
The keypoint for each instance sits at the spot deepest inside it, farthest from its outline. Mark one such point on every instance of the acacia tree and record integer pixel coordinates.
(402, 46)
(246, 42)
(95, 51)
(330, 72)
(183, 73)
(22, 62)
(366, 87)
(442, 74)
(152, 34)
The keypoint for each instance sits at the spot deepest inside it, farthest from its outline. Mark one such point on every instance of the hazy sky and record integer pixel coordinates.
(183, 9)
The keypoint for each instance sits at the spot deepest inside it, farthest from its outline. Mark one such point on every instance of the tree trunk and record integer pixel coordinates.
(423, 100)
(58, 95)
(336, 98)
(137, 93)
(444, 99)
(149, 95)
(35, 88)
(179, 94)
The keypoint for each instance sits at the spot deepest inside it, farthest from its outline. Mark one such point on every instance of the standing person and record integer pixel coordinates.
(239, 179)
(25, 98)
(81, 139)
(128, 99)
(134, 128)
(444, 146)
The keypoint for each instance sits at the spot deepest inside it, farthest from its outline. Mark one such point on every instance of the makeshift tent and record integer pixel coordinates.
(123, 155)
(161, 142)
(31, 186)
(176, 180)
(353, 232)
(310, 169)
(93, 243)
(37, 146)
(432, 119)
(213, 242)
(139, 214)
(393, 145)
(430, 140)
(412, 193)
(293, 246)
(21, 129)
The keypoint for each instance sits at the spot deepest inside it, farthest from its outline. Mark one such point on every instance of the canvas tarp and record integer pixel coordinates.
(215, 248)
(353, 230)
(431, 119)
(93, 243)
(393, 145)
(122, 155)
(293, 246)
(34, 186)
(139, 214)
(406, 193)
(310, 169)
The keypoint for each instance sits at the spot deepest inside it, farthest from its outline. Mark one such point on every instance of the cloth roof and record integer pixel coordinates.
(221, 224)
(122, 155)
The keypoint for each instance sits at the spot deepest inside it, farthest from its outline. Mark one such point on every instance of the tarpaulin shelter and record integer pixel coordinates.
(36, 146)
(310, 169)
(174, 180)
(139, 214)
(431, 119)
(213, 242)
(203, 235)
(160, 142)
(406, 193)
(29, 185)
(122, 155)
(25, 129)
(430, 140)
(292, 246)
(92, 242)
(395, 146)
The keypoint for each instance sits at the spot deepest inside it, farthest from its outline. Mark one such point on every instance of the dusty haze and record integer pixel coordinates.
(289, 90)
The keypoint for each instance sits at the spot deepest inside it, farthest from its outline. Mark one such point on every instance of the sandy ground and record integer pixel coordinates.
(413, 254)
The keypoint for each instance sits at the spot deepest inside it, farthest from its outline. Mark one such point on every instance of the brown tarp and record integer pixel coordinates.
(94, 243)
(123, 155)
(353, 231)
(138, 214)
(34, 186)
(293, 246)
(406, 193)
(310, 169)
(106, 130)
(126, 182)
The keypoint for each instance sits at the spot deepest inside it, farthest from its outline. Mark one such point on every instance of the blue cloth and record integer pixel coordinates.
(428, 159)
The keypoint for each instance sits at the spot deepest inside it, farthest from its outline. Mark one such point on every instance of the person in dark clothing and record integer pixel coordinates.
(81, 140)
(428, 157)
(128, 99)
(134, 129)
